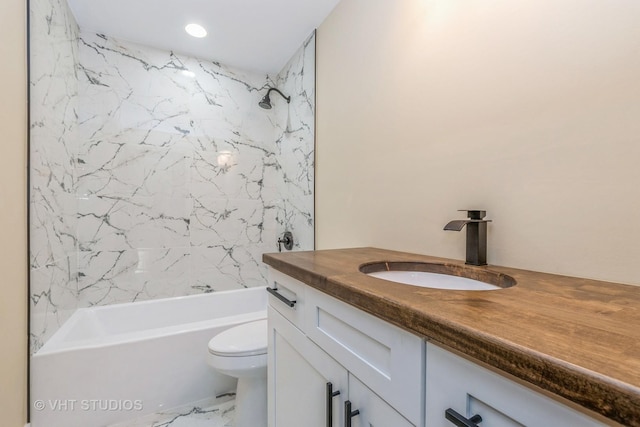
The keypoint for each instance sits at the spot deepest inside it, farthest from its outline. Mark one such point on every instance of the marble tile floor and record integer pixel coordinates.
(207, 413)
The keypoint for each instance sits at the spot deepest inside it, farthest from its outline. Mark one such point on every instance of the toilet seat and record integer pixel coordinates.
(249, 339)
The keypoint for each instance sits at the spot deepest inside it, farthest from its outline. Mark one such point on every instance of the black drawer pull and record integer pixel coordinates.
(461, 421)
(348, 413)
(330, 395)
(282, 298)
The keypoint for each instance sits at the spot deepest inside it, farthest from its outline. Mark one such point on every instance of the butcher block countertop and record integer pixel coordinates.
(576, 338)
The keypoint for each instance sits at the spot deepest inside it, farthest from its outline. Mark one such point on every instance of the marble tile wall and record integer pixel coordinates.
(169, 179)
(176, 174)
(295, 146)
(53, 109)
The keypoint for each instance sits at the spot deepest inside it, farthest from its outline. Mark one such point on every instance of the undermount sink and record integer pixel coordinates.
(439, 276)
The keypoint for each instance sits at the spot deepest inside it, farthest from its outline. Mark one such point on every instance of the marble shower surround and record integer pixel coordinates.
(53, 144)
(176, 174)
(177, 180)
(295, 146)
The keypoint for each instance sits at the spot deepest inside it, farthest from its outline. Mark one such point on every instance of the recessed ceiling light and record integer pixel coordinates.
(196, 30)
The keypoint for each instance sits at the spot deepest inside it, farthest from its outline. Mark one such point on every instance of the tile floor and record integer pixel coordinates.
(207, 413)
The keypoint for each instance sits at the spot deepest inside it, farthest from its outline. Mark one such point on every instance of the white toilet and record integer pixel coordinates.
(241, 352)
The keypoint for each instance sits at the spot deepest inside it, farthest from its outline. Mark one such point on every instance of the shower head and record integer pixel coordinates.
(266, 101)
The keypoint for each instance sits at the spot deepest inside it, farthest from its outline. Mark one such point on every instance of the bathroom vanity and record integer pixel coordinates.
(348, 349)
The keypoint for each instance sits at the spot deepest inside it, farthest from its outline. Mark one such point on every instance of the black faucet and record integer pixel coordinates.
(476, 235)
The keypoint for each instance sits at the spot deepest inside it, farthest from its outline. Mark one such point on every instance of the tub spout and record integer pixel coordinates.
(476, 235)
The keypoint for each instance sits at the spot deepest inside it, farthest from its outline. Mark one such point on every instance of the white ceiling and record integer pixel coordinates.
(258, 35)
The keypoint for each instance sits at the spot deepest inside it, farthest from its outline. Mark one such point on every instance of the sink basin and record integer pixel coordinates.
(439, 276)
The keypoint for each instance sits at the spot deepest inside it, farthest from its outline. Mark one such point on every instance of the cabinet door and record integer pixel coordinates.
(299, 372)
(386, 358)
(372, 410)
(462, 386)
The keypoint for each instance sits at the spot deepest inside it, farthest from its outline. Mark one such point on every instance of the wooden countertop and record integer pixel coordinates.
(576, 338)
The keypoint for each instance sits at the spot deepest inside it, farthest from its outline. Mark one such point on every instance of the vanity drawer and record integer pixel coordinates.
(287, 297)
(455, 384)
(388, 359)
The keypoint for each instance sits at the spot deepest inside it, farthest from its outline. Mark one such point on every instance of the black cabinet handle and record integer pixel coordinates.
(330, 395)
(461, 421)
(348, 413)
(282, 298)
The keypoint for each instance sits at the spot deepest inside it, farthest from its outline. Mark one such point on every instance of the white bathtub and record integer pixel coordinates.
(119, 362)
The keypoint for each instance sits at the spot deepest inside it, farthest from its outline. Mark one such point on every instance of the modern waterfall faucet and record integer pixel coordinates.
(476, 235)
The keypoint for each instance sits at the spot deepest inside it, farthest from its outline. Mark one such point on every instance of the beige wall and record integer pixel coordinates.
(528, 109)
(13, 214)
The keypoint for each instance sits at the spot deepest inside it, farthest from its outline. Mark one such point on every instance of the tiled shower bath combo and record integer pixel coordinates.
(156, 175)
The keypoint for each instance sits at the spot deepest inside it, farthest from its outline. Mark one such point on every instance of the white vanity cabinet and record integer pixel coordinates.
(333, 365)
(328, 360)
(302, 379)
(308, 387)
(457, 384)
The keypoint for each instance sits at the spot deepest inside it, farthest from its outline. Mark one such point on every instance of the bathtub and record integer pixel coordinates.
(119, 362)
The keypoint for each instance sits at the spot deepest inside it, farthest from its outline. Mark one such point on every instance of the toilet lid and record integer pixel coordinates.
(249, 339)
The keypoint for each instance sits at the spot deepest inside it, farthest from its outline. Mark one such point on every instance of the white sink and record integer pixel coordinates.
(438, 276)
(434, 280)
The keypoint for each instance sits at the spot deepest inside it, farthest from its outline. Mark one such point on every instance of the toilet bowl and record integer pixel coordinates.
(241, 352)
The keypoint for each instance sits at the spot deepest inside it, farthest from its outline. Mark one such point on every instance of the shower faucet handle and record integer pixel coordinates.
(286, 240)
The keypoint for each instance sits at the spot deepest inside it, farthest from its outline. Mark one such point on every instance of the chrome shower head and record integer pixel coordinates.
(266, 100)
